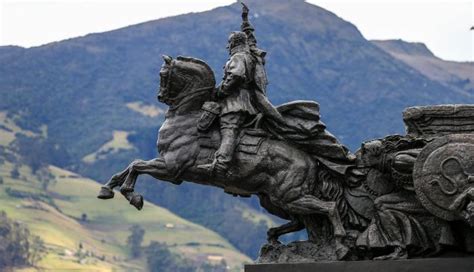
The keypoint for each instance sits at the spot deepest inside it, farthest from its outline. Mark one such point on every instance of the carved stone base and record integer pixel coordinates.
(412, 265)
(301, 251)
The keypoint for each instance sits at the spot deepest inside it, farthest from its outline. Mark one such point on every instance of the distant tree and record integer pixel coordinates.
(15, 174)
(38, 152)
(17, 246)
(207, 267)
(36, 250)
(161, 259)
(45, 177)
(134, 240)
(84, 217)
(1, 180)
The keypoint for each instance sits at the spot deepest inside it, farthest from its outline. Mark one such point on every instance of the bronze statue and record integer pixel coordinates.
(397, 197)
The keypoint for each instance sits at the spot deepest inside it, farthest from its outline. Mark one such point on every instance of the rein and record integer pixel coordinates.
(189, 97)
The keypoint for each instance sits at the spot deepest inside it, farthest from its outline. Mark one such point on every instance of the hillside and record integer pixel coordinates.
(89, 105)
(55, 215)
(458, 76)
(84, 233)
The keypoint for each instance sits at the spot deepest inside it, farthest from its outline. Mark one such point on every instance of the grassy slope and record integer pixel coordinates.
(105, 232)
(118, 142)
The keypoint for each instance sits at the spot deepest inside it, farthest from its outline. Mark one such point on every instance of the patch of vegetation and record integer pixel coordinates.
(30, 195)
(134, 240)
(147, 110)
(161, 259)
(18, 247)
(15, 174)
(38, 152)
(119, 142)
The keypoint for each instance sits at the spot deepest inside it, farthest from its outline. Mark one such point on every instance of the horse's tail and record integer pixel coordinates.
(331, 187)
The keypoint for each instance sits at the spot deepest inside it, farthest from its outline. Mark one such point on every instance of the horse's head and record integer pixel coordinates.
(185, 83)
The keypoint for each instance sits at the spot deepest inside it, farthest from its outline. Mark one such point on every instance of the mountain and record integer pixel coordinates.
(88, 104)
(458, 76)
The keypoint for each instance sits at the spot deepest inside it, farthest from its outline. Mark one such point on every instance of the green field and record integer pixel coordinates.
(55, 217)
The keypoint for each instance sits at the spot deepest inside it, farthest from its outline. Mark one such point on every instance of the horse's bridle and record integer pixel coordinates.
(183, 98)
(188, 97)
(168, 76)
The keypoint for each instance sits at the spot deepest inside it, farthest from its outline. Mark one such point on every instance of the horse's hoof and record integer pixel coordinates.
(341, 252)
(137, 201)
(397, 254)
(273, 241)
(105, 193)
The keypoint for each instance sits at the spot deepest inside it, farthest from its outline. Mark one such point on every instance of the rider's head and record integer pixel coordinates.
(236, 38)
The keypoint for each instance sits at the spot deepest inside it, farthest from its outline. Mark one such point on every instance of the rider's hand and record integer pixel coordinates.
(245, 11)
(214, 94)
(222, 94)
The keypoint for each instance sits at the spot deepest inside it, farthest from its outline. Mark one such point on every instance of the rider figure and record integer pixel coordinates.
(244, 75)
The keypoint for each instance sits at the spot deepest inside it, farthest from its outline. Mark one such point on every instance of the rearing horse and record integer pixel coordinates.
(284, 177)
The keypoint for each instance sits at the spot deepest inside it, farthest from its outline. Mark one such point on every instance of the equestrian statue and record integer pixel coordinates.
(397, 197)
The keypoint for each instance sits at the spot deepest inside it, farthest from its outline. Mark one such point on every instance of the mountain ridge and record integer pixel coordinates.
(401, 46)
(458, 76)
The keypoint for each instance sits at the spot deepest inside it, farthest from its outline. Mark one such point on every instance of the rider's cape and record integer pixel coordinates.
(299, 123)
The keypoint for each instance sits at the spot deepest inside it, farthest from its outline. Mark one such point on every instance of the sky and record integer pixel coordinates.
(443, 25)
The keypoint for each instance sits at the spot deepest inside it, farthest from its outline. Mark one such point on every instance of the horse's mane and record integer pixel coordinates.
(199, 62)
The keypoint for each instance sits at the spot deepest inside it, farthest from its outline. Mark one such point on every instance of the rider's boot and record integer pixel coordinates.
(220, 165)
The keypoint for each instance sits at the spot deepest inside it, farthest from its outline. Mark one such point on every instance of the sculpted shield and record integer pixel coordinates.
(444, 170)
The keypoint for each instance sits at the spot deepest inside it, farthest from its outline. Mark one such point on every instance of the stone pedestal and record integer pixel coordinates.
(412, 265)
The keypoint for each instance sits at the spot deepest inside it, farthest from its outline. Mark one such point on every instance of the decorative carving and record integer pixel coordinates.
(443, 171)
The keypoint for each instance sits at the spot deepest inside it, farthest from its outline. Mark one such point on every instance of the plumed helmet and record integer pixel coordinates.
(237, 38)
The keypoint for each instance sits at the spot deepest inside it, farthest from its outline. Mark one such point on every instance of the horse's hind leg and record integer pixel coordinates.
(308, 205)
(274, 233)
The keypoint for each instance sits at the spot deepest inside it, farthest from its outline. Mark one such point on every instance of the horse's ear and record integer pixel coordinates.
(167, 59)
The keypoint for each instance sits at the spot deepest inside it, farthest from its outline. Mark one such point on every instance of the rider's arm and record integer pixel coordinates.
(247, 27)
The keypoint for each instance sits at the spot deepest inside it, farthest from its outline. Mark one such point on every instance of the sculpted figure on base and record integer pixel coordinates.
(397, 197)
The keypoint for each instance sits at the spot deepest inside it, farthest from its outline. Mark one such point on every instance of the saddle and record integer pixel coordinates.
(249, 140)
